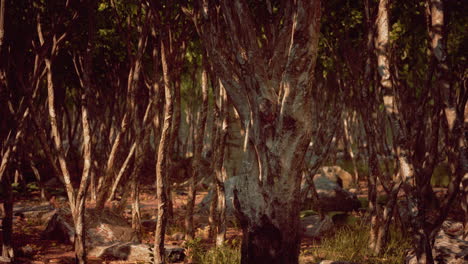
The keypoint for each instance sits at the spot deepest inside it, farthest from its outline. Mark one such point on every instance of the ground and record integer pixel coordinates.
(27, 232)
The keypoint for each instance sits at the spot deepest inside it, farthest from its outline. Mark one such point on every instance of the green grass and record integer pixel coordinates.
(229, 253)
(349, 243)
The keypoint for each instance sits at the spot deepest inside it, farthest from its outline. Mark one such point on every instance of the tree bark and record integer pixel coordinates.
(272, 95)
(455, 122)
(219, 168)
(197, 156)
(407, 171)
(7, 222)
(162, 163)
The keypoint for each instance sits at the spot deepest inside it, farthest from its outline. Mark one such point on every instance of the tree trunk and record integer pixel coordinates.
(197, 156)
(455, 121)
(270, 87)
(108, 177)
(349, 149)
(407, 171)
(219, 168)
(163, 155)
(7, 223)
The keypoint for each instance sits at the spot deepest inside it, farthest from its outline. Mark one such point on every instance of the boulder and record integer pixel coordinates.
(102, 229)
(449, 246)
(314, 227)
(60, 228)
(331, 196)
(338, 175)
(135, 252)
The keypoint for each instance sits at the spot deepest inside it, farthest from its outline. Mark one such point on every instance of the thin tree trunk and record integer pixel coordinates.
(219, 169)
(407, 172)
(38, 178)
(7, 223)
(349, 149)
(107, 178)
(2, 24)
(455, 119)
(197, 156)
(164, 153)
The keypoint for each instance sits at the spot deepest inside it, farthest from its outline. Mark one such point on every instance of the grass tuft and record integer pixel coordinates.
(349, 243)
(229, 253)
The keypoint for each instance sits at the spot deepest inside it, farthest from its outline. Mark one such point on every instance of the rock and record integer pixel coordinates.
(135, 252)
(314, 227)
(449, 246)
(33, 211)
(59, 228)
(102, 229)
(25, 251)
(335, 262)
(331, 196)
(338, 175)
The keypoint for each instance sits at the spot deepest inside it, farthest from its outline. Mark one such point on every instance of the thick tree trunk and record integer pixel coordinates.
(270, 87)
(163, 155)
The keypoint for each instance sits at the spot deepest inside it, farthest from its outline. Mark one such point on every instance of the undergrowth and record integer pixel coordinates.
(229, 253)
(349, 243)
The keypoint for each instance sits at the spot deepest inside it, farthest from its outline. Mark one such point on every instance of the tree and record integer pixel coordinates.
(163, 155)
(265, 56)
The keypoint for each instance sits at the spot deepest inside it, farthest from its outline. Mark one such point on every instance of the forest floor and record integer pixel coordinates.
(27, 232)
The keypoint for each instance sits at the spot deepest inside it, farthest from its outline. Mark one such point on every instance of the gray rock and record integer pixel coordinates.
(449, 246)
(338, 175)
(314, 227)
(331, 196)
(102, 229)
(33, 211)
(135, 252)
(59, 228)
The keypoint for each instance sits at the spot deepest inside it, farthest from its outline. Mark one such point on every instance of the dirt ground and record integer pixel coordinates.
(27, 231)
